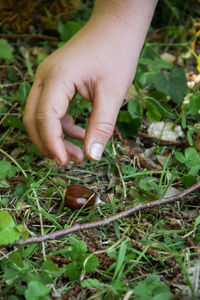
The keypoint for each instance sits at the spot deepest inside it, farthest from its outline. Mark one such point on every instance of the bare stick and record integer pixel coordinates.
(123, 214)
(28, 35)
(8, 112)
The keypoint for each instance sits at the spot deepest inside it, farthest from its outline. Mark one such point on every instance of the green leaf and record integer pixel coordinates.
(178, 85)
(13, 122)
(160, 64)
(73, 271)
(118, 286)
(94, 283)
(6, 51)
(191, 160)
(9, 232)
(22, 93)
(78, 247)
(20, 189)
(4, 184)
(92, 263)
(190, 132)
(175, 86)
(152, 289)
(194, 105)
(135, 108)
(11, 272)
(6, 220)
(155, 65)
(37, 291)
(148, 183)
(6, 170)
(68, 29)
(180, 157)
(153, 112)
(50, 267)
(9, 235)
(16, 259)
(188, 180)
(147, 78)
(29, 250)
(183, 119)
(161, 83)
(127, 125)
(90, 283)
(146, 61)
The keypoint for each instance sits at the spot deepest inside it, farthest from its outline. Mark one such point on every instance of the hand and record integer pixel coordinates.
(99, 62)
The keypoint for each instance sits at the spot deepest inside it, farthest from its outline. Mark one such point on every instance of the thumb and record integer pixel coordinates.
(101, 124)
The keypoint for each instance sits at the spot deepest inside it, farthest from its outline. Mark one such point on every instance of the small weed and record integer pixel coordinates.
(147, 256)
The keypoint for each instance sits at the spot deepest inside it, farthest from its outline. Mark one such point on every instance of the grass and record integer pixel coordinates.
(154, 253)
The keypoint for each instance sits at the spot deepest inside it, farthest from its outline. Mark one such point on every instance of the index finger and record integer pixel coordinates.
(51, 107)
(29, 116)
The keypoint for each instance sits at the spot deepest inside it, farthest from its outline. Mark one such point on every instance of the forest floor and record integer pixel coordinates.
(151, 254)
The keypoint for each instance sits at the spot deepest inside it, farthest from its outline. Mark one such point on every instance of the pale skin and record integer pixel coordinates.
(99, 62)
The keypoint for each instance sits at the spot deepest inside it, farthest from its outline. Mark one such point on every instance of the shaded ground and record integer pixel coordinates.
(134, 169)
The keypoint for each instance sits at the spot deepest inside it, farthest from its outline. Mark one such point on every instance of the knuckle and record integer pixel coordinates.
(104, 128)
(39, 69)
(41, 117)
(54, 71)
(51, 70)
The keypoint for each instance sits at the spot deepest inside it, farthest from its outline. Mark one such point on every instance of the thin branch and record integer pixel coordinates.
(28, 35)
(123, 214)
(161, 141)
(133, 153)
(8, 112)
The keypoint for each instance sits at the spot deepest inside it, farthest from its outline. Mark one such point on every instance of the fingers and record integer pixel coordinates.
(29, 116)
(101, 123)
(76, 154)
(46, 106)
(52, 106)
(71, 130)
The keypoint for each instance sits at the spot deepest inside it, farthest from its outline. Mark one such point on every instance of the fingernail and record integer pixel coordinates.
(96, 151)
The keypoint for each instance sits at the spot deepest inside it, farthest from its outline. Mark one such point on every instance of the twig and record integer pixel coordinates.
(14, 67)
(8, 112)
(125, 213)
(7, 85)
(27, 35)
(133, 153)
(162, 142)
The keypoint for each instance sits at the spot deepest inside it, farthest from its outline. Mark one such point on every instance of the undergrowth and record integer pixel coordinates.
(152, 255)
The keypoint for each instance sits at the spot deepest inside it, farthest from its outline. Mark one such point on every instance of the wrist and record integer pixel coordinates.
(127, 10)
(128, 19)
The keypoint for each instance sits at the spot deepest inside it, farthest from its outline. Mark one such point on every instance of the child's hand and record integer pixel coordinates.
(99, 62)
